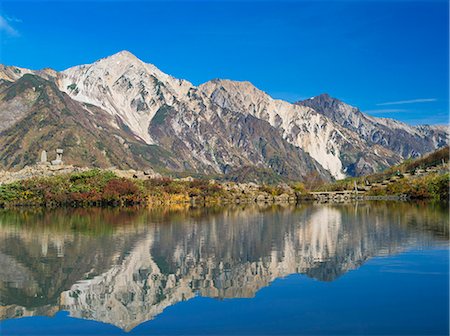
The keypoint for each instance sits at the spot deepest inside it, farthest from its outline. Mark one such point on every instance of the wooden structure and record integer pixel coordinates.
(337, 196)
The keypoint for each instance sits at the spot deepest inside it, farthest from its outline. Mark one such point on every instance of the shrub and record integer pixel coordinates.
(77, 188)
(272, 190)
(439, 187)
(299, 187)
(433, 186)
(158, 182)
(121, 189)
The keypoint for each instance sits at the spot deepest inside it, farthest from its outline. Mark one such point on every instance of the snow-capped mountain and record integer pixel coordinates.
(124, 86)
(220, 126)
(409, 141)
(335, 147)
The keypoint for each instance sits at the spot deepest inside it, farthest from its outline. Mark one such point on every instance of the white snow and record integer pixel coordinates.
(116, 82)
(243, 96)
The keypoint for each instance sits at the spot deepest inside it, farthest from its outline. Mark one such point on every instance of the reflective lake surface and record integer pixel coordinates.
(372, 268)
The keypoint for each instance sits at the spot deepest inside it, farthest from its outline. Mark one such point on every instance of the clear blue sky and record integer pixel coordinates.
(390, 58)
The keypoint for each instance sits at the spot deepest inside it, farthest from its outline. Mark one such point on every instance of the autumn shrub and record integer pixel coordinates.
(299, 187)
(92, 186)
(122, 190)
(82, 197)
(158, 182)
(194, 192)
(204, 188)
(432, 186)
(271, 190)
(165, 189)
(175, 188)
(212, 190)
(439, 186)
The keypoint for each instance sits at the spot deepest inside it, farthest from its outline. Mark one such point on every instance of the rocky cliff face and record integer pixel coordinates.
(408, 141)
(36, 115)
(338, 149)
(126, 87)
(171, 125)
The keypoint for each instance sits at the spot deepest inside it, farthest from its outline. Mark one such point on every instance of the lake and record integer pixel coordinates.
(357, 269)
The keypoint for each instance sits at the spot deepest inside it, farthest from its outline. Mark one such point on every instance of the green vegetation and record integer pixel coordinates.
(102, 188)
(431, 160)
(86, 188)
(161, 115)
(423, 178)
(431, 186)
(412, 166)
(27, 81)
(72, 86)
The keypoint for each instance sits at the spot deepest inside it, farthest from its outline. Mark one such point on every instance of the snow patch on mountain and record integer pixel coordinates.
(223, 124)
(301, 126)
(124, 86)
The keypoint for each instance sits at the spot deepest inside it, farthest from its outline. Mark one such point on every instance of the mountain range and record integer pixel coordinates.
(120, 111)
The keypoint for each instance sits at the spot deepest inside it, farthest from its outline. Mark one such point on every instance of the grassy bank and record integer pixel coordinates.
(422, 178)
(103, 188)
(432, 186)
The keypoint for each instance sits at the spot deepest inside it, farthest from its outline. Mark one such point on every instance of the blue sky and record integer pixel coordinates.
(389, 58)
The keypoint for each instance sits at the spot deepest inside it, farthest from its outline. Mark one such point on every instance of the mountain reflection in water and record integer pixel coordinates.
(124, 267)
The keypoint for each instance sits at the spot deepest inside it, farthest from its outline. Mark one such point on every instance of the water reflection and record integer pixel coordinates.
(124, 267)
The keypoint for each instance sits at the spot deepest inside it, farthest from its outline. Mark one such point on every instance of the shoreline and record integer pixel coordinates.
(69, 186)
(220, 202)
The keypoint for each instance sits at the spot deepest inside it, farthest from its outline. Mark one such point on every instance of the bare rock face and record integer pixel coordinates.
(13, 73)
(50, 119)
(389, 134)
(338, 148)
(126, 87)
(124, 112)
(38, 170)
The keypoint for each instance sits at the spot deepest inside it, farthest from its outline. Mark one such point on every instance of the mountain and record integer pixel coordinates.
(338, 149)
(409, 141)
(121, 111)
(36, 115)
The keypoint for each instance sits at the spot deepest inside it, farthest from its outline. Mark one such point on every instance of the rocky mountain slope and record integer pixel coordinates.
(409, 141)
(36, 115)
(338, 149)
(124, 112)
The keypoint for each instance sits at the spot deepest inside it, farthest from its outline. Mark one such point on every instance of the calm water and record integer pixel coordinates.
(378, 268)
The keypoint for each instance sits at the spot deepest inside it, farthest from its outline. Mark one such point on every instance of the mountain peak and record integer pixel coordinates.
(123, 54)
(117, 60)
(217, 127)
(323, 97)
(326, 104)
